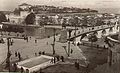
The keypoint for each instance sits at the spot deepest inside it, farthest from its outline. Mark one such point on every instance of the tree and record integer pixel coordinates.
(30, 19)
(43, 20)
(85, 21)
(64, 22)
(82, 36)
(21, 30)
(2, 17)
(92, 38)
(17, 11)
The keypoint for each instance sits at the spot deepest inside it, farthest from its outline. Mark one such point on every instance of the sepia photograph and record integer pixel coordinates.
(59, 36)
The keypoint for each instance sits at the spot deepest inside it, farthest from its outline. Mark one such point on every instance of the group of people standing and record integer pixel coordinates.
(16, 69)
(57, 58)
(17, 54)
(27, 39)
(40, 53)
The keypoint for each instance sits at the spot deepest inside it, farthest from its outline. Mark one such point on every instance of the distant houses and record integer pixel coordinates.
(55, 15)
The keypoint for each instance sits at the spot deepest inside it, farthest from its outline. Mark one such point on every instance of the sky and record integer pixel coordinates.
(12, 4)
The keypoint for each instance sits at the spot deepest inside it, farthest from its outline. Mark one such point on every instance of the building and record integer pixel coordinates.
(25, 6)
(24, 11)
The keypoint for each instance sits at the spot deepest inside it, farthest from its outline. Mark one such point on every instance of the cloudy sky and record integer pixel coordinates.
(11, 4)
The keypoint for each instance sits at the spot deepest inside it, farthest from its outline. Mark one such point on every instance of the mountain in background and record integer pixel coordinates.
(100, 10)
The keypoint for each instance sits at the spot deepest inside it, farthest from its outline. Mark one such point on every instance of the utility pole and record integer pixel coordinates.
(65, 49)
(54, 35)
(69, 43)
(76, 22)
(8, 54)
(75, 34)
(53, 45)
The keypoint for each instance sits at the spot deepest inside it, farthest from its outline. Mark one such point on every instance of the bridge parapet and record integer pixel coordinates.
(81, 31)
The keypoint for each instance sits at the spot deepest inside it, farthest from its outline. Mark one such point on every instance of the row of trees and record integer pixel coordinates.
(12, 29)
(52, 9)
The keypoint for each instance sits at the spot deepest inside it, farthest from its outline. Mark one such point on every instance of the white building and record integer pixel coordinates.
(25, 6)
(18, 19)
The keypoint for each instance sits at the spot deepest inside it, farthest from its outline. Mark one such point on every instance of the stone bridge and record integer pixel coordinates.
(100, 31)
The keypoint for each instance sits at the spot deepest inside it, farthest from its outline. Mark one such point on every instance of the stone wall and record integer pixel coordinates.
(41, 32)
(50, 32)
(63, 36)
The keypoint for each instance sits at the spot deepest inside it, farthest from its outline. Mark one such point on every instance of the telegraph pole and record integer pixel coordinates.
(69, 43)
(53, 45)
(75, 34)
(76, 22)
(8, 54)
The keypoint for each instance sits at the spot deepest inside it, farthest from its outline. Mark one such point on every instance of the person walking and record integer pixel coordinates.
(35, 54)
(62, 58)
(27, 70)
(19, 56)
(51, 60)
(22, 70)
(39, 53)
(87, 63)
(35, 40)
(11, 42)
(58, 58)
(30, 37)
(15, 67)
(71, 51)
(16, 54)
(47, 43)
(27, 39)
(54, 60)
(77, 65)
(43, 52)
